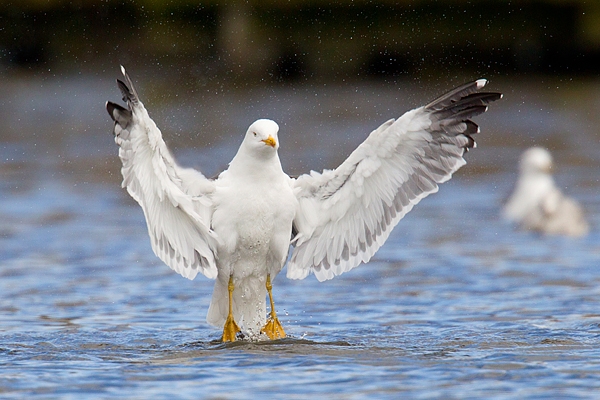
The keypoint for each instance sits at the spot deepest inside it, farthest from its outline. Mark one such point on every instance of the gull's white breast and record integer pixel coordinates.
(254, 222)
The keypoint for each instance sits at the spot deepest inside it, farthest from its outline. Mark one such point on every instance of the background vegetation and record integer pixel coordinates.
(303, 39)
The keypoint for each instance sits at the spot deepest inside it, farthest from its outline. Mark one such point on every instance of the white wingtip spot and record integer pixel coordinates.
(481, 83)
(123, 70)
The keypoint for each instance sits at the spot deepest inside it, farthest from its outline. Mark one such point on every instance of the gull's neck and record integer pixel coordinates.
(256, 166)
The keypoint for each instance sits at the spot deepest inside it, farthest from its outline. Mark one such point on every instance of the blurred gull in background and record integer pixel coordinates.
(537, 204)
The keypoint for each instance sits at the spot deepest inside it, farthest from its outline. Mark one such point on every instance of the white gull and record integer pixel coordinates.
(238, 228)
(537, 204)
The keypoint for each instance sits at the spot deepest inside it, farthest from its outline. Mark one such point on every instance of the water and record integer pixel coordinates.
(457, 304)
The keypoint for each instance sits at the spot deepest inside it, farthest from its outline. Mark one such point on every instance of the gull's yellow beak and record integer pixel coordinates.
(270, 141)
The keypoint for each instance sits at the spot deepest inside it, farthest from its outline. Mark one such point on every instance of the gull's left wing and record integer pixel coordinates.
(345, 215)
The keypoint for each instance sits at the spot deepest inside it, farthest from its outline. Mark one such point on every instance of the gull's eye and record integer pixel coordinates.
(254, 133)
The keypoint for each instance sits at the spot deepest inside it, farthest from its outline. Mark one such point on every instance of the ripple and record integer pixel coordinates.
(455, 305)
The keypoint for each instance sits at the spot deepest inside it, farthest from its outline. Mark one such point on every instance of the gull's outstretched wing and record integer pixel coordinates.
(176, 201)
(346, 214)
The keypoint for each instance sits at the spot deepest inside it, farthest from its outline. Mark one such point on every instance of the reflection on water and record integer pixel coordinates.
(455, 304)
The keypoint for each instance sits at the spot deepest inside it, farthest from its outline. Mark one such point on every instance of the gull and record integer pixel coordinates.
(537, 204)
(241, 227)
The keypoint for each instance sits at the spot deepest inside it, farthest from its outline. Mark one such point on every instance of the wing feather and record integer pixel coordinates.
(345, 215)
(175, 200)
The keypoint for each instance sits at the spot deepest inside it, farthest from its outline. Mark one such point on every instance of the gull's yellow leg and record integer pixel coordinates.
(272, 328)
(230, 329)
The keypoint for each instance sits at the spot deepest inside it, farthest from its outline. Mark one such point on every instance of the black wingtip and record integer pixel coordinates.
(128, 96)
(451, 113)
(122, 116)
(119, 114)
(132, 95)
(111, 107)
(462, 93)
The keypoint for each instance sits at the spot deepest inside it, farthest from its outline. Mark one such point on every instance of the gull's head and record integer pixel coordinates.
(262, 136)
(536, 160)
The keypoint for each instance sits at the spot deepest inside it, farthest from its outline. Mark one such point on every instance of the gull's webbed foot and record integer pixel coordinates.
(272, 328)
(231, 329)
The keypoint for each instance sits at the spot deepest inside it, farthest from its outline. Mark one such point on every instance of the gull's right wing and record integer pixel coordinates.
(176, 201)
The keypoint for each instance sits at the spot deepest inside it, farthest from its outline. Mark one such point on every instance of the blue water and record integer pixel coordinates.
(457, 304)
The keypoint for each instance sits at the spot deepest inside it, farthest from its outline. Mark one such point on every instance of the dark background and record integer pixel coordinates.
(260, 41)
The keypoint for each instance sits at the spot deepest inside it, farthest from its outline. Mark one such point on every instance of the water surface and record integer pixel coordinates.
(457, 303)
